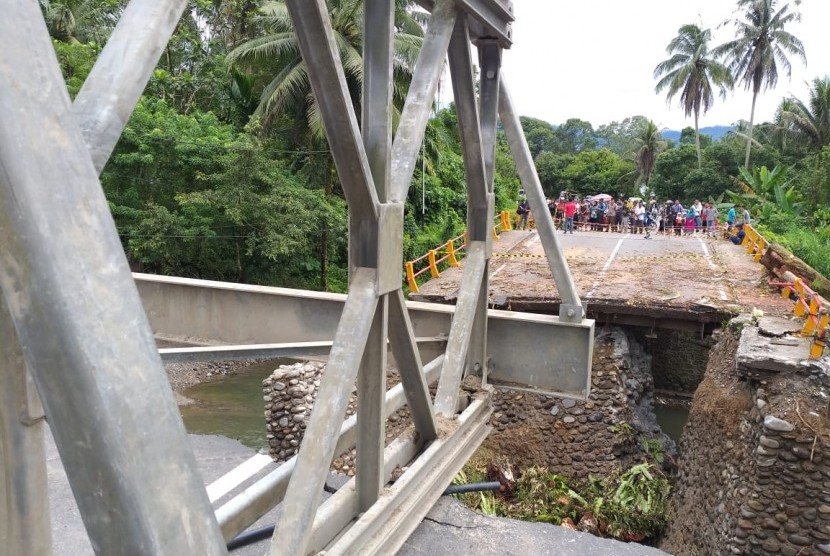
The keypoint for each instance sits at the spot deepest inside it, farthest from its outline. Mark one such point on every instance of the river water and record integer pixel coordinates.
(231, 406)
(671, 419)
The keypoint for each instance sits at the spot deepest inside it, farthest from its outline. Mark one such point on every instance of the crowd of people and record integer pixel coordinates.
(634, 215)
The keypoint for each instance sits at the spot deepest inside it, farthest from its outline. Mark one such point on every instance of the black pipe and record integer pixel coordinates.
(472, 487)
(250, 537)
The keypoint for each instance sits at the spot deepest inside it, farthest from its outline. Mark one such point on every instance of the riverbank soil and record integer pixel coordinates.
(754, 472)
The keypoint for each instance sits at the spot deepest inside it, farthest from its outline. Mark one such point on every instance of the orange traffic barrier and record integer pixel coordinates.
(810, 306)
(448, 252)
(754, 242)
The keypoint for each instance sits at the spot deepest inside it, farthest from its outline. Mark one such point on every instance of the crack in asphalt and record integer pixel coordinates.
(439, 522)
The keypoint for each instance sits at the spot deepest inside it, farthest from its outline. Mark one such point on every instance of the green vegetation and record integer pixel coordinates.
(630, 505)
(223, 171)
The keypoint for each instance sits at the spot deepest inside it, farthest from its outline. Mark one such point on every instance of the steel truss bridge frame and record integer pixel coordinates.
(77, 349)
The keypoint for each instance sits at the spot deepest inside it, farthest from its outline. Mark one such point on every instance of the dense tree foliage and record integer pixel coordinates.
(222, 171)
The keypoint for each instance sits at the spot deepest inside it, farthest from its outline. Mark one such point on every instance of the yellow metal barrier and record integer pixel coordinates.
(449, 252)
(754, 243)
(808, 304)
(410, 276)
(433, 267)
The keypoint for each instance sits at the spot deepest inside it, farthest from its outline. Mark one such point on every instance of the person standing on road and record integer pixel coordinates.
(611, 214)
(621, 214)
(523, 211)
(745, 216)
(711, 219)
(698, 208)
(639, 217)
(570, 210)
(667, 223)
(730, 218)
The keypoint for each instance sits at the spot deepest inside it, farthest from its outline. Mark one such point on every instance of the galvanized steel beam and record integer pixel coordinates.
(292, 533)
(25, 528)
(479, 212)
(121, 72)
(319, 50)
(571, 308)
(70, 300)
(273, 351)
(415, 383)
(420, 96)
(244, 509)
(254, 313)
(371, 420)
(489, 54)
(385, 526)
(446, 397)
(376, 128)
(489, 18)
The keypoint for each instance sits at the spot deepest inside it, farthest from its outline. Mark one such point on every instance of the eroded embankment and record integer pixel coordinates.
(599, 436)
(754, 476)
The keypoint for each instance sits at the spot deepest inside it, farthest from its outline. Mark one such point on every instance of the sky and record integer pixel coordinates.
(594, 59)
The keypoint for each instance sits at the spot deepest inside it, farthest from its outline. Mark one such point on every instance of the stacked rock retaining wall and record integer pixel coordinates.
(598, 436)
(678, 358)
(575, 438)
(754, 473)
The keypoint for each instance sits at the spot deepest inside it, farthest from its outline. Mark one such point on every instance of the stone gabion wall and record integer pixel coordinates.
(753, 477)
(289, 396)
(572, 437)
(678, 358)
(577, 438)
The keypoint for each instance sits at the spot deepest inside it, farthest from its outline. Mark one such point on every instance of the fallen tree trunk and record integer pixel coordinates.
(779, 260)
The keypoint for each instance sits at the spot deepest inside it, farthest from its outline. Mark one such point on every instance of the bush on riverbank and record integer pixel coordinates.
(628, 506)
(811, 245)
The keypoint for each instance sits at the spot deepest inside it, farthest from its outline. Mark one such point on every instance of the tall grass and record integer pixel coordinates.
(810, 244)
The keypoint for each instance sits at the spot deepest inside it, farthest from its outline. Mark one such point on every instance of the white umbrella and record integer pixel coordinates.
(601, 197)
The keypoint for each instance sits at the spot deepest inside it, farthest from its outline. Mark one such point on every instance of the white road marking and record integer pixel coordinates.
(235, 477)
(713, 266)
(530, 242)
(601, 276)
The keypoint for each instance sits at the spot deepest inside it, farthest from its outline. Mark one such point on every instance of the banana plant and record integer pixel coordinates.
(765, 192)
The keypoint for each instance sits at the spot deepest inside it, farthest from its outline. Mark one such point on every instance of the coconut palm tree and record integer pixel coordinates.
(647, 145)
(761, 45)
(694, 73)
(808, 124)
(80, 21)
(275, 56)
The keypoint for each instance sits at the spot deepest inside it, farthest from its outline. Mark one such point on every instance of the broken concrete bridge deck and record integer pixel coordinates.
(682, 282)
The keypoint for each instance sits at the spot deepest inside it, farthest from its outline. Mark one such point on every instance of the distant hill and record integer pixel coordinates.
(716, 131)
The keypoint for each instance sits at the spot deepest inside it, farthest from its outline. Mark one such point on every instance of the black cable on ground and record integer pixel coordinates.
(472, 487)
(256, 535)
(250, 537)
